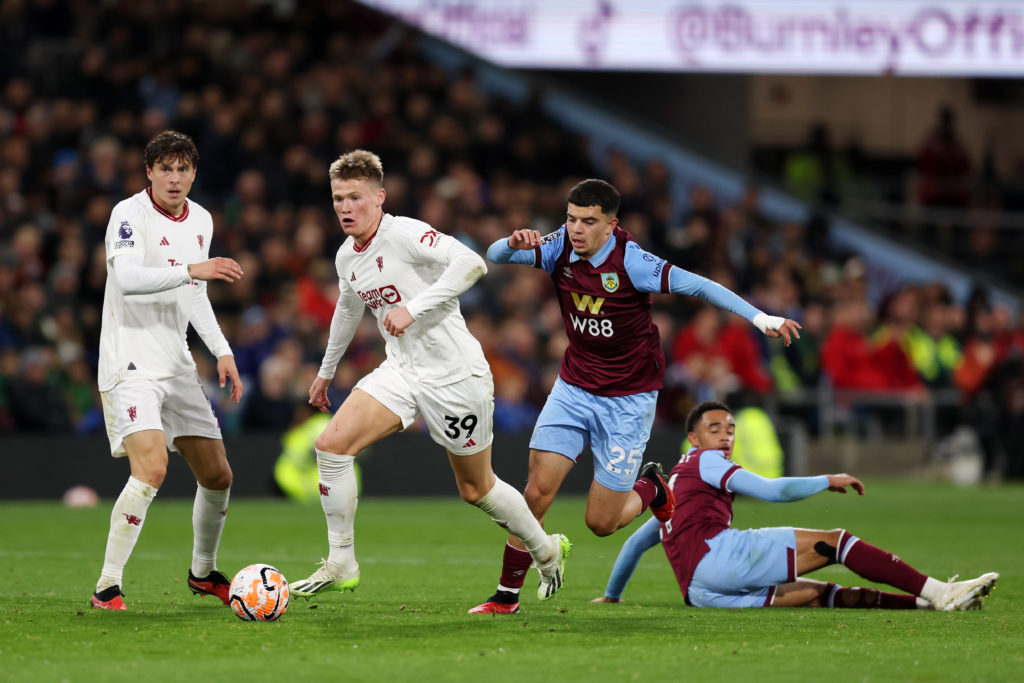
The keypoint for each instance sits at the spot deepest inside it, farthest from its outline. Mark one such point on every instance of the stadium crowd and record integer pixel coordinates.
(271, 100)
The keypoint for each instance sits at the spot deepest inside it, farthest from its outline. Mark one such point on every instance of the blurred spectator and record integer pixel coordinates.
(36, 402)
(943, 165)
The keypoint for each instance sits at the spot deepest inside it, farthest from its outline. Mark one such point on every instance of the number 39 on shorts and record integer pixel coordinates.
(623, 463)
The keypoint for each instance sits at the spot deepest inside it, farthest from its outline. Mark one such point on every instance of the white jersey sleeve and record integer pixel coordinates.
(347, 314)
(462, 268)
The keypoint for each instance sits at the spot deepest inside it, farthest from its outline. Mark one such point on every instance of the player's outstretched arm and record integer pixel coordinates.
(642, 540)
(506, 249)
(218, 268)
(780, 490)
(839, 482)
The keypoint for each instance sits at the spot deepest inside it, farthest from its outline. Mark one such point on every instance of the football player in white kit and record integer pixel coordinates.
(158, 245)
(410, 277)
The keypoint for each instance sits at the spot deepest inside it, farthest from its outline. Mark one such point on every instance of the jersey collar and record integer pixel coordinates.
(600, 257)
(385, 219)
(177, 219)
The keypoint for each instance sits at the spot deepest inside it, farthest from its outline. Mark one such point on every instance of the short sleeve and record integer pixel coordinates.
(716, 469)
(648, 273)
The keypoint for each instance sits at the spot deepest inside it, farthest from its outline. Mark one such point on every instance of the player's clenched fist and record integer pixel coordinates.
(524, 239)
(218, 268)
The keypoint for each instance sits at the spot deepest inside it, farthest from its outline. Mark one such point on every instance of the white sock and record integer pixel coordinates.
(208, 516)
(339, 498)
(509, 510)
(125, 524)
(933, 588)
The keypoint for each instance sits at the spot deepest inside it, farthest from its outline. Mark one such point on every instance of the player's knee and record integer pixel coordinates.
(828, 546)
(601, 527)
(470, 493)
(151, 474)
(536, 499)
(219, 480)
(326, 443)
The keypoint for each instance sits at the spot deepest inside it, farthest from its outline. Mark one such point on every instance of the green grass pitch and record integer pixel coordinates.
(425, 562)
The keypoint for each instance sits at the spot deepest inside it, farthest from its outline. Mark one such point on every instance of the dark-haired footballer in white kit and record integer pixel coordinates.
(157, 251)
(718, 566)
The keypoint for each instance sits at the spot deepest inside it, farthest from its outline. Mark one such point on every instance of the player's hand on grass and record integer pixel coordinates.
(396, 320)
(605, 599)
(227, 370)
(524, 239)
(839, 482)
(218, 268)
(318, 394)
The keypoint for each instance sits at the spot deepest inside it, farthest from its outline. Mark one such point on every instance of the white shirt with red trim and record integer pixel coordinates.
(408, 263)
(149, 298)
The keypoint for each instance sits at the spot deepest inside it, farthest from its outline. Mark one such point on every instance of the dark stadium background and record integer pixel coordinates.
(273, 93)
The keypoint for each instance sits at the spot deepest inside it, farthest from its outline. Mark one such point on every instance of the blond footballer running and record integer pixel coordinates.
(409, 276)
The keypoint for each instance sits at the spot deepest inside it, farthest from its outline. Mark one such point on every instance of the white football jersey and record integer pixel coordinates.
(143, 335)
(401, 260)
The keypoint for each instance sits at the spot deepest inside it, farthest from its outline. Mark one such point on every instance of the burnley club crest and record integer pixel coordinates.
(610, 281)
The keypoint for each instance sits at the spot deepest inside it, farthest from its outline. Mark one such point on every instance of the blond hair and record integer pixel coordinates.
(358, 164)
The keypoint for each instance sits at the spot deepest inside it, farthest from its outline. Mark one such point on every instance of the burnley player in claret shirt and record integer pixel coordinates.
(607, 388)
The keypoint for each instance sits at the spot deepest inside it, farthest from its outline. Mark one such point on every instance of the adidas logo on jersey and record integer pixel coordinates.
(353, 276)
(164, 242)
(131, 365)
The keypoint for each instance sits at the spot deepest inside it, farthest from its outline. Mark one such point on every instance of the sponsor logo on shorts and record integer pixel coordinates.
(133, 413)
(469, 443)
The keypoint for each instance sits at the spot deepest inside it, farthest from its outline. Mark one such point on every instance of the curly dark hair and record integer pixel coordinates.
(694, 417)
(595, 192)
(171, 146)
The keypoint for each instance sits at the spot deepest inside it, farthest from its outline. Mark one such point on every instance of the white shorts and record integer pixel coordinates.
(176, 406)
(460, 416)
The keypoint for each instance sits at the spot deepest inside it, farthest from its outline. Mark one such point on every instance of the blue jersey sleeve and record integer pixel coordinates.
(684, 282)
(781, 490)
(642, 540)
(716, 469)
(549, 250)
(645, 270)
(500, 252)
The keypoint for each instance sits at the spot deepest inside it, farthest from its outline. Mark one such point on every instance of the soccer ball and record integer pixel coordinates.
(259, 593)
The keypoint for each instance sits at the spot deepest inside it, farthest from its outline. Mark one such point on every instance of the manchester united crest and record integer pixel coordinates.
(610, 281)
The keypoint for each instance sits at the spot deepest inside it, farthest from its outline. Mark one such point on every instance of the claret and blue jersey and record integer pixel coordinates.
(614, 346)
